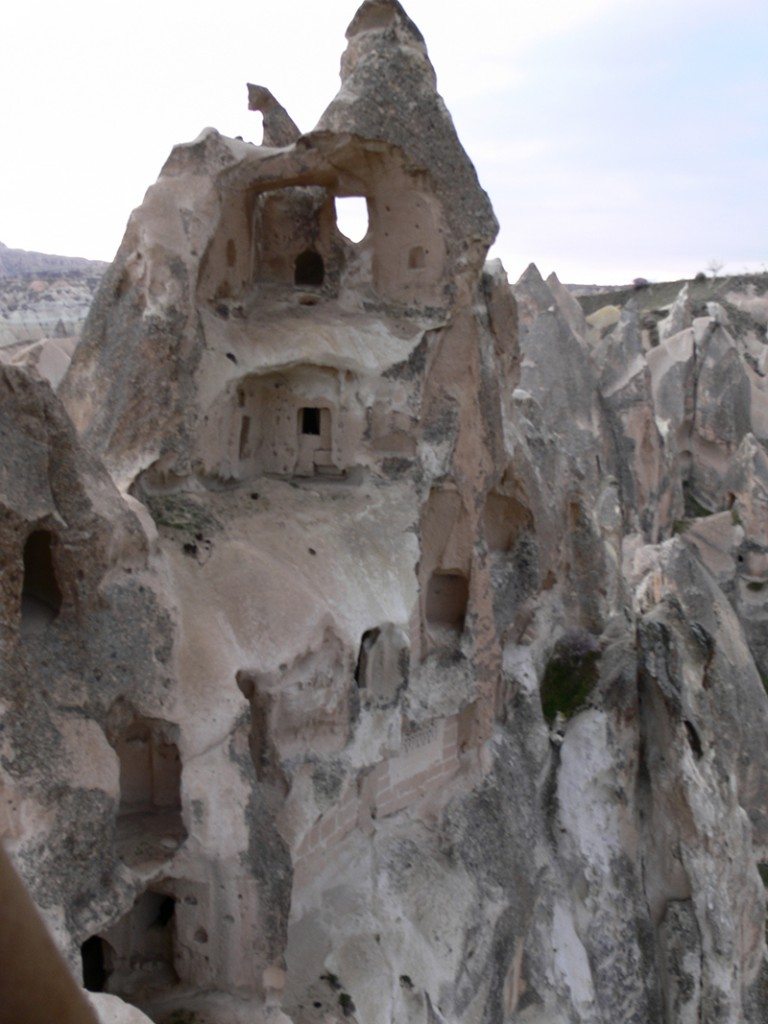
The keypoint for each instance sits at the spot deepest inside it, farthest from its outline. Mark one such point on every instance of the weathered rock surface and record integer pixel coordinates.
(380, 642)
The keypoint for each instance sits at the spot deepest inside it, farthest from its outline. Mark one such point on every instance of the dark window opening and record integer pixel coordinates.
(95, 953)
(245, 430)
(165, 911)
(40, 595)
(447, 598)
(262, 752)
(310, 421)
(309, 269)
(370, 636)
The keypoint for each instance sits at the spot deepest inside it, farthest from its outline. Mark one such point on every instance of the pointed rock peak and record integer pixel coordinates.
(380, 28)
(495, 268)
(683, 298)
(568, 304)
(531, 275)
(375, 15)
(680, 315)
(389, 95)
(533, 295)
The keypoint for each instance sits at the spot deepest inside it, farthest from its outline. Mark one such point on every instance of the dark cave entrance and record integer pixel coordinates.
(310, 421)
(40, 594)
(97, 958)
(309, 269)
(142, 959)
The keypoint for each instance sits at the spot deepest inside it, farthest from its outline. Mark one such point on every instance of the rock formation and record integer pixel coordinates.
(43, 304)
(380, 642)
(22, 263)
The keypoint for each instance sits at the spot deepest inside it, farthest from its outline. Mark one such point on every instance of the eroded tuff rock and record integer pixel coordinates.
(381, 642)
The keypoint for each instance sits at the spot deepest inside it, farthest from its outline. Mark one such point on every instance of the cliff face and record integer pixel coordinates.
(381, 642)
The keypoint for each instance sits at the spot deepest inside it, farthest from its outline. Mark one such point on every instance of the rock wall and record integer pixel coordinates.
(380, 641)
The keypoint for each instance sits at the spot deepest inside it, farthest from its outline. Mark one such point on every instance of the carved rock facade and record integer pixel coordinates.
(355, 662)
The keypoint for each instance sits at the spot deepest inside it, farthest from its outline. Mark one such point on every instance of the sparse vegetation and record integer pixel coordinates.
(714, 267)
(570, 675)
(702, 289)
(347, 1004)
(740, 323)
(693, 507)
(181, 512)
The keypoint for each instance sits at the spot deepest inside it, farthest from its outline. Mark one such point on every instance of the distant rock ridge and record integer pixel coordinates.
(18, 262)
(44, 301)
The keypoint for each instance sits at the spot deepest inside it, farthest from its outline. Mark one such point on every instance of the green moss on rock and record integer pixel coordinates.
(693, 507)
(570, 675)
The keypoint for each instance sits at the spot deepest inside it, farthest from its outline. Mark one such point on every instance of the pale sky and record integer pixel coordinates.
(616, 138)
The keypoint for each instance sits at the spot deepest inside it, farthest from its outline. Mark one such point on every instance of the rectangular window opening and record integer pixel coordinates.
(310, 421)
(245, 431)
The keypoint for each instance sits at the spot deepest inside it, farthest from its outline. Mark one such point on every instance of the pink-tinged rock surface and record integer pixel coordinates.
(381, 642)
